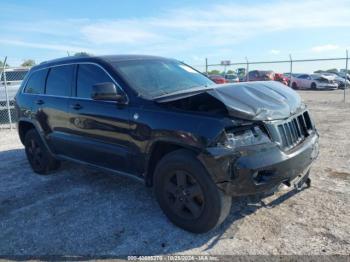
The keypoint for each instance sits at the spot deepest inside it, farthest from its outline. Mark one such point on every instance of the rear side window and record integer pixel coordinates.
(36, 82)
(59, 80)
(89, 75)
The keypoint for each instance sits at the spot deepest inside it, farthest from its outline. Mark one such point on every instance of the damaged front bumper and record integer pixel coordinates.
(258, 169)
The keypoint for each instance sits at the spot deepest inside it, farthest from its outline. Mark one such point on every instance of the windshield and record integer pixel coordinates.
(152, 78)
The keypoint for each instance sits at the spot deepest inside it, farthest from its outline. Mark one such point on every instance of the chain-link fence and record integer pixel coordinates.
(11, 77)
(10, 81)
(333, 70)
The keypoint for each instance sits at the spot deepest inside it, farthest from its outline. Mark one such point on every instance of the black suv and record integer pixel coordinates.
(196, 143)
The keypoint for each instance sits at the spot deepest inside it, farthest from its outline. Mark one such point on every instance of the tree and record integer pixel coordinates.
(229, 72)
(82, 54)
(2, 65)
(333, 70)
(214, 72)
(28, 63)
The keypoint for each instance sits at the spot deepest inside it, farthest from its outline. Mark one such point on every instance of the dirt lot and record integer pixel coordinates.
(79, 211)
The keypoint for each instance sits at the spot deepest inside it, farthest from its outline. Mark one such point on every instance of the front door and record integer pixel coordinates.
(99, 130)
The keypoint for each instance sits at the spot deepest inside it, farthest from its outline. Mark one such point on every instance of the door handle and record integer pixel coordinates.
(40, 102)
(76, 106)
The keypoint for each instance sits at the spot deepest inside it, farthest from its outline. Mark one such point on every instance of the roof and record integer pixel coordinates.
(117, 58)
(104, 58)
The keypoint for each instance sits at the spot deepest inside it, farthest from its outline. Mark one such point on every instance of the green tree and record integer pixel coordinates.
(2, 64)
(28, 63)
(230, 72)
(333, 70)
(82, 54)
(214, 72)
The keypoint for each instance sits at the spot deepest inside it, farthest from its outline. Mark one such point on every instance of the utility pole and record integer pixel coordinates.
(346, 72)
(291, 70)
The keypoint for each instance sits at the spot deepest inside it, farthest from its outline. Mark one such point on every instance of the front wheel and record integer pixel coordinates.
(313, 86)
(187, 194)
(38, 156)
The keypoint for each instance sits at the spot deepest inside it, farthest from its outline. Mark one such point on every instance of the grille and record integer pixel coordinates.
(291, 132)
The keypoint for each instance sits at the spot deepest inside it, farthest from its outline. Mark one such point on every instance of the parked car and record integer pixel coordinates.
(313, 81)
(14, 77)
(231, 78)
(337, 79)
(281, 78)
(163, 122)
(218, 79)
(258, 75)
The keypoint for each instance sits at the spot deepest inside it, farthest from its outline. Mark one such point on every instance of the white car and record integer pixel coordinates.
(313, 81)
(341, 81)
(14, 77)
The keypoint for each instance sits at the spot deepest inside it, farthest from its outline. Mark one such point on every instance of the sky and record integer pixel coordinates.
(187, 30)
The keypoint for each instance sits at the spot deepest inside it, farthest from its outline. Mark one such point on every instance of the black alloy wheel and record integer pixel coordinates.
(39, 158)
(184, 195)
(187, 193)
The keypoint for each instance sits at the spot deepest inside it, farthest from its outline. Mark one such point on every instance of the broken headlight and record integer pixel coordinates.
(245, 137)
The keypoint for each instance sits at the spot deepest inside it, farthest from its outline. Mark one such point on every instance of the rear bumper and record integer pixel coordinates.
(258, 169)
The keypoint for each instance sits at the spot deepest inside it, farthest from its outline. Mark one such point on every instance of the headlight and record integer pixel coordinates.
(247, 137)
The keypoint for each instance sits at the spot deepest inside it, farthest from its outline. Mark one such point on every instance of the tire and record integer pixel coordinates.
(313, 86)
(187, 194)
(294, 85)
(39, 158)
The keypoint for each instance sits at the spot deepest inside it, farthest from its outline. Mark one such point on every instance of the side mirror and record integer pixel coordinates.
(106, 91)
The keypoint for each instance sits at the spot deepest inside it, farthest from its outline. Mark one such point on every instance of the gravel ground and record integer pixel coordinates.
(80, 211)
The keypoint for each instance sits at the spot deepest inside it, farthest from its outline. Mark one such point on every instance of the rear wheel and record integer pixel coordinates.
(38, 156)
(187, 194)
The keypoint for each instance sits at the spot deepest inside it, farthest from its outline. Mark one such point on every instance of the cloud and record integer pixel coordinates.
(214, 30)
(56, 47)
(275, 51)
(324, 48)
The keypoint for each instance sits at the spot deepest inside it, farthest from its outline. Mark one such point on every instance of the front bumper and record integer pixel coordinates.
(258, 169)
(327, 86)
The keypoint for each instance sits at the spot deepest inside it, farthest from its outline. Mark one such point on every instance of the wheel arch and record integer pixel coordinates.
(157, 151)
(23, 127)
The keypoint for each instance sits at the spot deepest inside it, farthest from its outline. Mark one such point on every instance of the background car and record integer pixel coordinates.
(14, 77)
(281, 78)
(341, 81)
(259, 75)
(313, 81)
(231, 78)
(218, 79)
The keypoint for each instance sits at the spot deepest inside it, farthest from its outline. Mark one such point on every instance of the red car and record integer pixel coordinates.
(218, 79)
(281, 78)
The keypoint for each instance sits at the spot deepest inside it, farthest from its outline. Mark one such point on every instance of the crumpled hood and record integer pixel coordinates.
(262, 100)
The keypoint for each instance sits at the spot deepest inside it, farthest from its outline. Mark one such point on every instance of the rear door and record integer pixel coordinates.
(53, 116)
(99, 130)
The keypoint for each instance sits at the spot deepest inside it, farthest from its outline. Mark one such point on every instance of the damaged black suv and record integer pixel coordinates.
(196, 143)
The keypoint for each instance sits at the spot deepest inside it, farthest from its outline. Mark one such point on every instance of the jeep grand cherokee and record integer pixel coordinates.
(196, 143)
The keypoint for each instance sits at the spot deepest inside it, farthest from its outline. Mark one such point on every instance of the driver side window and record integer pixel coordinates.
(89, 75)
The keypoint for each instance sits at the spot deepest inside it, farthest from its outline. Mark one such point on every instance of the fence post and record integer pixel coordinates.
(6, 93)
(247, 69)
(291, 70)
(346, 72)
(206, 66)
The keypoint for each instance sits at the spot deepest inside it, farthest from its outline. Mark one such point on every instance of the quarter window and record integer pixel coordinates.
(59, 80)
(36, 82)
(89, 75)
